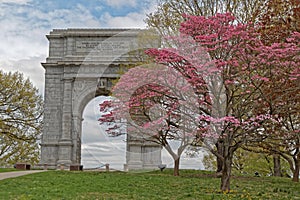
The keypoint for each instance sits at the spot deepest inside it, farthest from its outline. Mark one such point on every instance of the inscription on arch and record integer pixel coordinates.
(118, 47)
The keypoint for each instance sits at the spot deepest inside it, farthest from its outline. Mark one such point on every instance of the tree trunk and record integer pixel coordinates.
(226, 172)
(297, 169)
(277, 165)
(219, 165)
(220, 149)
(176, 166)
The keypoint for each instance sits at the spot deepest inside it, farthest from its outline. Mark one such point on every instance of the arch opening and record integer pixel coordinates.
(97, 147)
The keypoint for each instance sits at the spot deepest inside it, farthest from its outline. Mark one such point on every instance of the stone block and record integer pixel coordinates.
(76, 167)
(22, 166)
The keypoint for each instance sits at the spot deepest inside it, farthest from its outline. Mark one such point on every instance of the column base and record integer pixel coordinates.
(134, 165)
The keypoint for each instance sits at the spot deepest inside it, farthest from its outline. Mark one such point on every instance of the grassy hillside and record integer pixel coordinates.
(191, 184)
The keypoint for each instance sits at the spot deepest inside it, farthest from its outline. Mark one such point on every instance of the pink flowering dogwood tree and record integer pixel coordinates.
(158, 104)
(205, 88)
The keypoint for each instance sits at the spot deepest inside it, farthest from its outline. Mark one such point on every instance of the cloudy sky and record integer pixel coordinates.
(23, 46)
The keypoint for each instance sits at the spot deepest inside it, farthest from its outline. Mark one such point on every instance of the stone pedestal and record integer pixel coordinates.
(107, 167)
(76, 167)
(22, 166)
(143, 155)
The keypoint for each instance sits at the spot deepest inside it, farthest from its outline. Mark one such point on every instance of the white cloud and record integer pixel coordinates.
(30, 67)
(78, 17)
(23, 37)
(95, 157)
(121, 3)
(15, 1)
(99, 8)
(132, 20)
(23, 43)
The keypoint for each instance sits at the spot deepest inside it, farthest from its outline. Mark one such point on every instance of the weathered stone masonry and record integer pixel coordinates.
(81, 65)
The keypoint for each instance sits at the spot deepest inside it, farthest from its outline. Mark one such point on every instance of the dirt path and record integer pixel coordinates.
(6, 175)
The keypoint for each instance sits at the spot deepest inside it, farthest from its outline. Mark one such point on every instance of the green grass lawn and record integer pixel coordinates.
(7, 170)
(191, 184)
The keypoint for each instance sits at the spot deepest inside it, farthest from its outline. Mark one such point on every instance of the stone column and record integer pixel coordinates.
(65, 143)
(151, 155)
(76, 138)
(52, 116)
(133, 153)
(134, 156)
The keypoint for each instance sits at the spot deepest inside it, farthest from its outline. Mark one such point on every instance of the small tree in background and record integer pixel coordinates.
(281, 93)
(20, 119)
(249, 162)
(167, 17)
(278, 20)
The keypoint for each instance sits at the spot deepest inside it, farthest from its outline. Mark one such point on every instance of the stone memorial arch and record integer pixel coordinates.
(81, 66)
